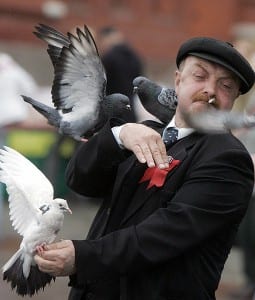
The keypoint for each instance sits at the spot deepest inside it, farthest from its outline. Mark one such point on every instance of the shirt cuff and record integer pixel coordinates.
(116, 133)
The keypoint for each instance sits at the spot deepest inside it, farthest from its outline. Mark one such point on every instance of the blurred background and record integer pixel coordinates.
(154, 30)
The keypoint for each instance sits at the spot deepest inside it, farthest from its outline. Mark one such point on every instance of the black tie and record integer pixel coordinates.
(170, 135)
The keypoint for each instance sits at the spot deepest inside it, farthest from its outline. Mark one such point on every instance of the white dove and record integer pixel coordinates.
(34, 214)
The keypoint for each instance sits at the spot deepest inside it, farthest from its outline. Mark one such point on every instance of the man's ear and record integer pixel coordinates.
(177, 80)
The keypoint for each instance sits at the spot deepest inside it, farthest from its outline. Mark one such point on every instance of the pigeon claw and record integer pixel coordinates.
(40, 249)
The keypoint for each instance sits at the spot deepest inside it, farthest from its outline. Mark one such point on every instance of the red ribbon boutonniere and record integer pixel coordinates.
(157, 176)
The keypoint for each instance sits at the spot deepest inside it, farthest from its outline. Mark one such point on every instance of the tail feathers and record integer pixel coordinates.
(26, 286)
(12, 260)
(50, 113)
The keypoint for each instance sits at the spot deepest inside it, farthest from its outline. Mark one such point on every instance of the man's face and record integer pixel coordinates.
(198, 81)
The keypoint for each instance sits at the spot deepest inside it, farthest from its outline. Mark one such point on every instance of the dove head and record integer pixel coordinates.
(62, 205)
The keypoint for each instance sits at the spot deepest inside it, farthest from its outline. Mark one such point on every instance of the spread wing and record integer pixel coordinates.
(79, 81)
(27, 186)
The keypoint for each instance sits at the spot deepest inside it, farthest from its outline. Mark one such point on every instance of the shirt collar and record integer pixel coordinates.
(182, 132)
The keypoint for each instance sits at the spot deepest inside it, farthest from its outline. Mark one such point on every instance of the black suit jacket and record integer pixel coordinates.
(159, 243)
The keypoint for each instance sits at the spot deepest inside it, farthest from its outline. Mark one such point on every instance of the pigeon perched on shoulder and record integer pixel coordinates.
(159, 101)
(215, 121)
(34, 214)
(81, 106)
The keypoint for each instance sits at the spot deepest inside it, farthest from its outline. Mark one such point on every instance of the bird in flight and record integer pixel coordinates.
(81, 106)
(34, 214)
(216, 121)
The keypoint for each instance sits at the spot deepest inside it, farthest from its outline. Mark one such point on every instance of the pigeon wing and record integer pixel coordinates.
(214, 121)
(79, 81)
(27, 187)
(55, 39)
(168, 98)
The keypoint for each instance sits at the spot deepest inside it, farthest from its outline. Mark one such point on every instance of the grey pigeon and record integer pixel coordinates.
(81, 106)
(215, 121)
(34, 214)
(159, 101)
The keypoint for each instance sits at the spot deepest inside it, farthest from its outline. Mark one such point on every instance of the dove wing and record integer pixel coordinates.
(27, 187)
(79, 81)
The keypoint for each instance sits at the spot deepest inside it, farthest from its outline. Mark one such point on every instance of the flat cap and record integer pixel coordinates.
(222, 53)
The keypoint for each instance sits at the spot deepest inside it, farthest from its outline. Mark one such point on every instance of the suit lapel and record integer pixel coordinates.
(124, 169)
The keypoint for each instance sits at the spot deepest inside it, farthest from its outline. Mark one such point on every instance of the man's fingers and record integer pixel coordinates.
(146, 143)
(139, 154)
(58, 245)
(152, 154)
(159, 157)
(163, 158)
(157, 152)
(147, 154)
(44, 265)
(59, 260)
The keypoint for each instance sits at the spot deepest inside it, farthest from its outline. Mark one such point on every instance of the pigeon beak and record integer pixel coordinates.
(69, 210)
(135, 89)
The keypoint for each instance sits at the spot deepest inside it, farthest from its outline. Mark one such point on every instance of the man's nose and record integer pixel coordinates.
(210, 88)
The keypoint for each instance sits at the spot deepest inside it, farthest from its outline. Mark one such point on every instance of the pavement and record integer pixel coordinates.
(76, 227)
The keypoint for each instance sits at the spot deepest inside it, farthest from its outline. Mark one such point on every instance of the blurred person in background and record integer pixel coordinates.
(14, 81)
(246, 233)
(247, 48)
(122, 63)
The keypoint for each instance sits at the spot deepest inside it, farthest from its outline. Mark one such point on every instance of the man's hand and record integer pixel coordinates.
(57, 259)
(146, 143)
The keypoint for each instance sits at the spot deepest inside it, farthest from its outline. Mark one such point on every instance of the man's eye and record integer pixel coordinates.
(198, 75)
(226, 86)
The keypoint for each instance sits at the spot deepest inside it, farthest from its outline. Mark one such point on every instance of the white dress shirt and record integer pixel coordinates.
(182, 132)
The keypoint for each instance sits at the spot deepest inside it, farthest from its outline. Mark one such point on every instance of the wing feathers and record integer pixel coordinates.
(26, 185)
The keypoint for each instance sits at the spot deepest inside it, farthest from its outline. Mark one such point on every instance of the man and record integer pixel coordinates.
(163, 232)
(121, 62)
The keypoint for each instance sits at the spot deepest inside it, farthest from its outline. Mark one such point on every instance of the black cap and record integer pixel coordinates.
(222, 53)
